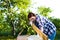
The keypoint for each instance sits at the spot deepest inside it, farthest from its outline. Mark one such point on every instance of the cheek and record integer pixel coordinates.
(32, 19)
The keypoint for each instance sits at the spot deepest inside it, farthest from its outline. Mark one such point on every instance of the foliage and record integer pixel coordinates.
(44, 11)
(12, 16)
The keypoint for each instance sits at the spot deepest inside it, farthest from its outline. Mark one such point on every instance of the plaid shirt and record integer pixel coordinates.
(44, 24)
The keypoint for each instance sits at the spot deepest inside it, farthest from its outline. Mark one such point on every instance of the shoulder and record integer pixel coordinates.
(38, 17)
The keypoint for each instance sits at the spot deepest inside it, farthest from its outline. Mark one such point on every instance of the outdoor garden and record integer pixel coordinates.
(14, 20)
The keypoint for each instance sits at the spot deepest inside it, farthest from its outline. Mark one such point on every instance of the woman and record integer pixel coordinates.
(45, 25)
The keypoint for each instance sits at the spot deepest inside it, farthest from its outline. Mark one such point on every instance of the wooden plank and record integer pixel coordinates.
(41, 34)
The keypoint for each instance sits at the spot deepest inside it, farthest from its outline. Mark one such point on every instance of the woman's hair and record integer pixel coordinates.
(30, 15)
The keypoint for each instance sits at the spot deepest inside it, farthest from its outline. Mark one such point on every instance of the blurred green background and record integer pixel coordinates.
(14, 20)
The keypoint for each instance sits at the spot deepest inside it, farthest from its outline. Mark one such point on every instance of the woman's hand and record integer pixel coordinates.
(31, 23)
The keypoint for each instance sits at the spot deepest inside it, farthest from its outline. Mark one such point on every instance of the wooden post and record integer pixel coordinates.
(41, 34)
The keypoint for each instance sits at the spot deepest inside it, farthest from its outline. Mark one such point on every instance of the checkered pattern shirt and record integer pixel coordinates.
(48, 27)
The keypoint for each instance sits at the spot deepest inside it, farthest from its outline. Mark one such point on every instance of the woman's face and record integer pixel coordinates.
(33, 18)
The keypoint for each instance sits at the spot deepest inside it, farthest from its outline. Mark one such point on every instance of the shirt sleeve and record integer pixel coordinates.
(49, 25)
(47, 21)
(38, 19)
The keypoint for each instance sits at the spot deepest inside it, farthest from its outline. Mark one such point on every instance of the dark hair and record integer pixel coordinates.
(30, 15)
